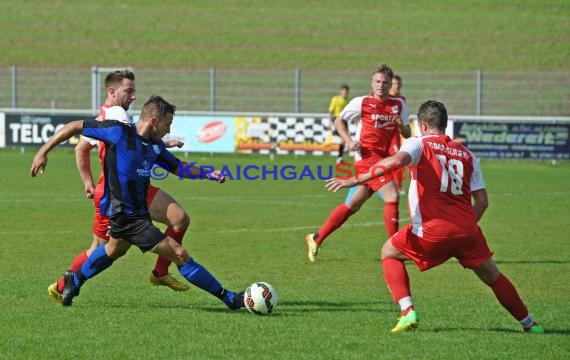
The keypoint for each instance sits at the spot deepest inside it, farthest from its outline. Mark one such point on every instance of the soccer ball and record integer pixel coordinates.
(260, 298)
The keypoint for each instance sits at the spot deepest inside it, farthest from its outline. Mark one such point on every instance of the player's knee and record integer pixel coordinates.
(488, 273)
(354, 207)
(385, 252)
(98, 241)
(114, 251)
(182, 255)
(180, 220)
(392, 197)
(486, 277)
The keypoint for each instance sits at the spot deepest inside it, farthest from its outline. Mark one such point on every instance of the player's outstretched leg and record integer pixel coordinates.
(164, 208)
(398, 282)
(335, 220)
(507, 295)
(197, 274)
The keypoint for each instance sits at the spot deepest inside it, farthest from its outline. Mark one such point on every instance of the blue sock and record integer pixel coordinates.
(97, 262)
(201, 277)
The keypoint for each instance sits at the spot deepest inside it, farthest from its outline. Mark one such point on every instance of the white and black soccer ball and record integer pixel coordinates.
(260, 298)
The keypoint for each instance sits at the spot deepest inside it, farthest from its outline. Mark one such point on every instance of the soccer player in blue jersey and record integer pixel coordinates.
(131, 150)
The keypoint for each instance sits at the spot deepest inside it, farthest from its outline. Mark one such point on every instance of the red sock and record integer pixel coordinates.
(396, 277)
(508, 297)
(336, 218)
(75, 266)
(162, 264)
(391, 217)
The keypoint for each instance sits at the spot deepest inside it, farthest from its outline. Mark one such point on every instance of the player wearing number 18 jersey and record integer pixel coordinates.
(444, 178)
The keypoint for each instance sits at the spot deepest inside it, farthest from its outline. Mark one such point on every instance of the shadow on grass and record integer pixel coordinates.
(335, 306)
(285, 308)
(532, 261)
(497, 329)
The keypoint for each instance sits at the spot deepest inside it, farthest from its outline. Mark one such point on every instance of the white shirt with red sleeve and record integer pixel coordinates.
(376, 124)
(443, 175)
(110, 113)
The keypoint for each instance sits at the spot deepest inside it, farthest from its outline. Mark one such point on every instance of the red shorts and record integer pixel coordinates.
(364, 166)
(471, 251)
(395, 144)
(101, 224)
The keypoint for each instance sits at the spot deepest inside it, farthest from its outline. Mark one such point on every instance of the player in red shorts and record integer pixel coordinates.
(395, 92)
(163, 208)
(445, 176)
(378, 118)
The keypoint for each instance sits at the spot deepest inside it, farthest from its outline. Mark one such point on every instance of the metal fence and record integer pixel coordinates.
(527, 93)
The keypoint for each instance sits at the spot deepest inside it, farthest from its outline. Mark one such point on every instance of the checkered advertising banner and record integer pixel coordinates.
(285, 135)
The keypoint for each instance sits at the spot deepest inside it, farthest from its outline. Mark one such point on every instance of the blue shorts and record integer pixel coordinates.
(137, 230)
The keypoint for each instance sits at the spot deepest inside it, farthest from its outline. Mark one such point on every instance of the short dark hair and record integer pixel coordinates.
(384, 69)
(434, 113)
(157, 106)
(344, 86)
(397, 77)
(116, 77)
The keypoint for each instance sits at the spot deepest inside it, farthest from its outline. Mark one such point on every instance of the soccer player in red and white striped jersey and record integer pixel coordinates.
(445, 177)
(378, 117)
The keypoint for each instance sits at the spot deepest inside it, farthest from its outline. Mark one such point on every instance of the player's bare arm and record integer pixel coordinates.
(405, 130)
(173, 143)
(40, 159)
(480, 202)
(399, 159)
(342, 129)
(83, 162)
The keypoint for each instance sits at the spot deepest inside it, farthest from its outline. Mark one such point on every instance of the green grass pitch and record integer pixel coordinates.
(431, 35)
(337, 308)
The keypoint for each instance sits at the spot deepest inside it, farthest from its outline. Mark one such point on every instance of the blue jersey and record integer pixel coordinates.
(127, 164)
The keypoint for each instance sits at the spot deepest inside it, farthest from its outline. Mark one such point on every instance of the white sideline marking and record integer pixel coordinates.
(292, 228)
(299, 228)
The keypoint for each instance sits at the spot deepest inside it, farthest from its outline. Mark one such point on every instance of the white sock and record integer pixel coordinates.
(405, 303)
(527, 321)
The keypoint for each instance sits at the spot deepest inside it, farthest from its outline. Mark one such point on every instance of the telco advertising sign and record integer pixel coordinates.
(28, 130)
